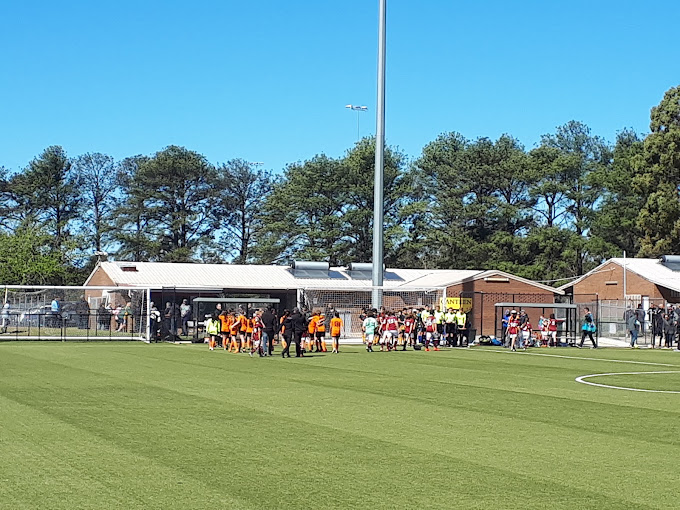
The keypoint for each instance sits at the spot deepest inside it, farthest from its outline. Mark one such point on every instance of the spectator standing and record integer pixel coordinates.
(588, 328)
(461, 330)
(154, 323)
(633, 326)
(5, 316)
(118, 315)
(504, 328)
(167, 318)
(668, 329)
(656, 319)
(269, 324)
(127, 317)
(55, 312)
(103, 317)
(287, 332)
(675, 317)
(83, 314)
(640, 316)
(298, 325)
(185, 316)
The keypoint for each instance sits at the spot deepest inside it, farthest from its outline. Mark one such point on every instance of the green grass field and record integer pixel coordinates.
(130, 425)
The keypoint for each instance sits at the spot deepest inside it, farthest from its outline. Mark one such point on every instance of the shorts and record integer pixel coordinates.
(321, 334)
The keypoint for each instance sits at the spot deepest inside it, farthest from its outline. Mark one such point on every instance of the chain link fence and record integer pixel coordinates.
(74, 313)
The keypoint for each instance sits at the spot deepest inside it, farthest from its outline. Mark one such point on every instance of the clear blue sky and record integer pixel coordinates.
(268, 80)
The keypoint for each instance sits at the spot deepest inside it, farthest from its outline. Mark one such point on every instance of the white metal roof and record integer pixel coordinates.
(157, 275)
(650, 269)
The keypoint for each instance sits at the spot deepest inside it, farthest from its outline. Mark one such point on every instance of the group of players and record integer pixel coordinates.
(237, 331)
(429, 327)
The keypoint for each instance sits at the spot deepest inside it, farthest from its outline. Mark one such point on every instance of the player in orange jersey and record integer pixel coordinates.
(336, 330)
(235, 333)
(224, 328)
(249, 333)
(320, 332)
(243, 321)
(311, 332)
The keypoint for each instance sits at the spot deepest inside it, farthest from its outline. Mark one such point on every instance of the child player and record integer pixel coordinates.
(369, 328)
(256, 334)
(225, 324)
(234, 331)
(336, 329)
(243, 323)
(409, 329)
(212, 330)
(526, 334)
(391, 331)
(311, 332)
(513, 329)
(320, 332)
(430, 331)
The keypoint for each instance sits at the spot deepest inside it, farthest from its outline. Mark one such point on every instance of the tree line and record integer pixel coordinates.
(547, 213)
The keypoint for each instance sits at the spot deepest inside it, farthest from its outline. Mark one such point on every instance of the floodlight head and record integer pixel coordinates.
(348, 106)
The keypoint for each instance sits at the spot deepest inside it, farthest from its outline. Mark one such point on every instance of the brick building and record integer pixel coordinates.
(622, 284)
(487, 288)
(630, 280)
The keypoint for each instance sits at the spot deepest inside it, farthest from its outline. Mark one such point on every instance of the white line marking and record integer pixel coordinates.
(582, 380)
(508, 351)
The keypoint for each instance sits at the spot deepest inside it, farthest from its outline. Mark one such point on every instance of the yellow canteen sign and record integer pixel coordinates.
(457, 303)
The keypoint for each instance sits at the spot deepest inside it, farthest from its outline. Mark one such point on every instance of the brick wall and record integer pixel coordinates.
(100, 278)
(607, 283)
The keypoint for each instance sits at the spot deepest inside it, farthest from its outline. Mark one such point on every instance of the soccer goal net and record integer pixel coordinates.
(74, 313)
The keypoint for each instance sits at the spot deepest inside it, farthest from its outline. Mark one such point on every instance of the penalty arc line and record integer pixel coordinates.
(582, 380)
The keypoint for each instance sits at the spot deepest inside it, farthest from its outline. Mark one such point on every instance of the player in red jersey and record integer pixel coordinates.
(409, 329)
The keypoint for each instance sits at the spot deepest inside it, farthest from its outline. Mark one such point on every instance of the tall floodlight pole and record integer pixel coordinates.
(378, 199)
